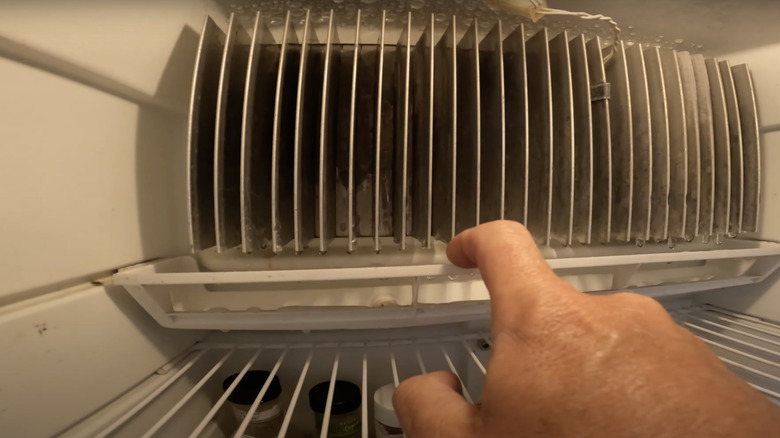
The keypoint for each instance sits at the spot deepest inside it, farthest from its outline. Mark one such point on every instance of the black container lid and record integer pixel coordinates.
(249, 387)
(346, 397)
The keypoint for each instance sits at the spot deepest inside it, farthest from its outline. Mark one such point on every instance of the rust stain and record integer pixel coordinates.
(41, 328)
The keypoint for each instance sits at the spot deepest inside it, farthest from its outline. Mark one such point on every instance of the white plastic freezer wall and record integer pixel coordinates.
(93, 101)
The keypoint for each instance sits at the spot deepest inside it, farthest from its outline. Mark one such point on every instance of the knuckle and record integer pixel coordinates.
(504, 227)
(644, 310)
(449, 378)
(639, 301)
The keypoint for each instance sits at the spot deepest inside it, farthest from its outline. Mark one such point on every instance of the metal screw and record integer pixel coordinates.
(483, 344)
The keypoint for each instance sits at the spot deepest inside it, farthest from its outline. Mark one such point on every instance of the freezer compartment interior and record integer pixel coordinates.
(328, 132)
(95, 110)
(130, 173)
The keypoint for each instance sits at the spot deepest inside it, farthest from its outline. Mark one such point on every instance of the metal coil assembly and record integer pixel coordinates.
(299, 140)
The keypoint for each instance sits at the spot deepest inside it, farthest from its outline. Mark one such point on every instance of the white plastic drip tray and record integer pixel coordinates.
(178, 293)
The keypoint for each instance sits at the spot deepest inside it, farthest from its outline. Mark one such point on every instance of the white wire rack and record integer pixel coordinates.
(747, 345)
(418, 287)
(299, 365)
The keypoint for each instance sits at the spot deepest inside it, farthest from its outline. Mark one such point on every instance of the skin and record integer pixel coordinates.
(567, 364)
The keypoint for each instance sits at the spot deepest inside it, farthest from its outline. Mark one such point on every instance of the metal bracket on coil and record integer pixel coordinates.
(600, 91)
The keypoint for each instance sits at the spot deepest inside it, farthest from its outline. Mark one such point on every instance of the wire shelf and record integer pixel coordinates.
(747, 345)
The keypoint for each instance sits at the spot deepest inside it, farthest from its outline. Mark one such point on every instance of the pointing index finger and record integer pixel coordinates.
(514, 271)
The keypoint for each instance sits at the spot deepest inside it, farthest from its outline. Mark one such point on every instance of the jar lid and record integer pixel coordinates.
(249, 387)
(383, 406)
(346, 397)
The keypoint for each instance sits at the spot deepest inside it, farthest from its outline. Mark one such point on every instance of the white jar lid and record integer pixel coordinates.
(383, 406)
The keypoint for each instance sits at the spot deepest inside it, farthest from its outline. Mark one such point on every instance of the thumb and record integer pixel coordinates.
(432, 405)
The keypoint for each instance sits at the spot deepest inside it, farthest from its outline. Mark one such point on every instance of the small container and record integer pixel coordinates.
(344, 412)
(267, 419)
(386, 424)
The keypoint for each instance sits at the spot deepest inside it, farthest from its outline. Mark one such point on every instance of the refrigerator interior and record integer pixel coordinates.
(94, 117)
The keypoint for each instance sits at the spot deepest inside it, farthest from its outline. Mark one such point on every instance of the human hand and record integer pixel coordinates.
(567, 364)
